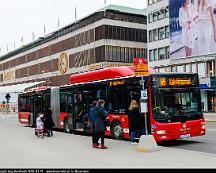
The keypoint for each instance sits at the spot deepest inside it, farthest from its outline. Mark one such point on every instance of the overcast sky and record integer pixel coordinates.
(26, 18)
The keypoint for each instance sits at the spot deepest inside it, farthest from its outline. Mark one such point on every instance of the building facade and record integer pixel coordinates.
(111, 36)
(161, 43)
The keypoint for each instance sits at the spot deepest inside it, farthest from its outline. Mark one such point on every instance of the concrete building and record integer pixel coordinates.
(111, 36)
(166, 53)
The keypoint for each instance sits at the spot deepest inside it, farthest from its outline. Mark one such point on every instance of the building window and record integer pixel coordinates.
(161, 14)
(201, 69)
(173, 69)
(161, 33)
(167, 12)
(150, 17)
(150, 36)
(155, 54)
(187, 68)
(167, 52)
(151, 55)
(161, 53)
(193, 68)
(155, 34)
(167, 31)
(155, 16)
(180, 68)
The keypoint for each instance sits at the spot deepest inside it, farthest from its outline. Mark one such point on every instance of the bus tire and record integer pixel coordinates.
(66, 126)
(117, 130)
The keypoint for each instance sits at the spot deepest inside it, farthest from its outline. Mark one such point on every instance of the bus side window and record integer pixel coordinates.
(63, 102)
(117, 102)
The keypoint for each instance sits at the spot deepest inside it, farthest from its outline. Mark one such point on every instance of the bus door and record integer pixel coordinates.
(80, 109)
(71, 119)
(135, 94)
(36, 102)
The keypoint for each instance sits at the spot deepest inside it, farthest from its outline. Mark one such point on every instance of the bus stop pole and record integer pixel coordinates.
(145, 104)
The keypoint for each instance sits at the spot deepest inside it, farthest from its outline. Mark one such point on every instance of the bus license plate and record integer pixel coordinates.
(184, 136)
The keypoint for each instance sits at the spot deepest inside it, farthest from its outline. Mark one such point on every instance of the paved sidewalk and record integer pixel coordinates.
(74, 151)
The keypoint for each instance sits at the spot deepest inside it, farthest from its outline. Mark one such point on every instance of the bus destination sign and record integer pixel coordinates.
(174, 81)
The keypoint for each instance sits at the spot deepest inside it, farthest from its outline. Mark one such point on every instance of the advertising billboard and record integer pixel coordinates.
(192, 28)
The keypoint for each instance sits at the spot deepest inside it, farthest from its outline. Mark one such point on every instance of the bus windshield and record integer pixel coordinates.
(176, 105)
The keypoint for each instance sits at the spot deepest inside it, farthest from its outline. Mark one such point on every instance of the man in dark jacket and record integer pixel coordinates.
(92, 123)
(48, 121)
(100, 122)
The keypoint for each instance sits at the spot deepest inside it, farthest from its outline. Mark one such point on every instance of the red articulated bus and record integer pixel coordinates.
(174, 102)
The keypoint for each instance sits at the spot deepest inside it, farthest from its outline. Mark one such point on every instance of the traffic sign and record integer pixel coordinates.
(140, 66)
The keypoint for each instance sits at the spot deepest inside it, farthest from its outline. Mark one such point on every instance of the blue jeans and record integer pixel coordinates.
(133, 134)
(141, 132)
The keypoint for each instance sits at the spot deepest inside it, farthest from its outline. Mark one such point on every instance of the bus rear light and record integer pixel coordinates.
(160, 132)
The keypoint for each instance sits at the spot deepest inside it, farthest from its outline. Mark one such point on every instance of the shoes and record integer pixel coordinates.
(133, 143)
(103, 147)
(96, 146)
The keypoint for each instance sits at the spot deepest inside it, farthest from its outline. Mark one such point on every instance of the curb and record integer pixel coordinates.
(210, 120)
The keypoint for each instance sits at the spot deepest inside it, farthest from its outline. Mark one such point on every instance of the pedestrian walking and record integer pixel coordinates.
(100, 123)
(48, 121)
(134, 118)
(92, 123)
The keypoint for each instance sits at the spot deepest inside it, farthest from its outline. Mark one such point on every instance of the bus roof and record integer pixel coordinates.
(37, 89)
(106, 73)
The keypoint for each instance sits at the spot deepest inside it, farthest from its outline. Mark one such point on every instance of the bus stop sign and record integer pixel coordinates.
(140, 66)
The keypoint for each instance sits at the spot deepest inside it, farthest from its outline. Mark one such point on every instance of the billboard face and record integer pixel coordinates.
(192, 28)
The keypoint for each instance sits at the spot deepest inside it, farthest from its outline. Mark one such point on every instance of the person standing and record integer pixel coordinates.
(48, 121)
(92, 123)
(100, 122)
(134, 118)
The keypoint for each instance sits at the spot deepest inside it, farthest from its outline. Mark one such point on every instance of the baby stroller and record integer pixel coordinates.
(39, 130)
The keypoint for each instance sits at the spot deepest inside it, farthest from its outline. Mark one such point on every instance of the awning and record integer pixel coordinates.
(206, 87)
(17, 88)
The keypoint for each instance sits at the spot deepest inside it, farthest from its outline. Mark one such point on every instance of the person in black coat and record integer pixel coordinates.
(48, 121)
(100, 122)
(135, 120)
(92, 123)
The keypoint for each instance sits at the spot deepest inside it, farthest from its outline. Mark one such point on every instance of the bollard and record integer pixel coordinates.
(147, 143)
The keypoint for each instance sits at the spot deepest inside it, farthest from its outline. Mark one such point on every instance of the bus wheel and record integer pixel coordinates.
(117, 130)
(66, 126)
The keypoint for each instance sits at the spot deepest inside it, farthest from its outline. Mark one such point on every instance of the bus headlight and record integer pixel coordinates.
(160, 132)
(203, 126)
